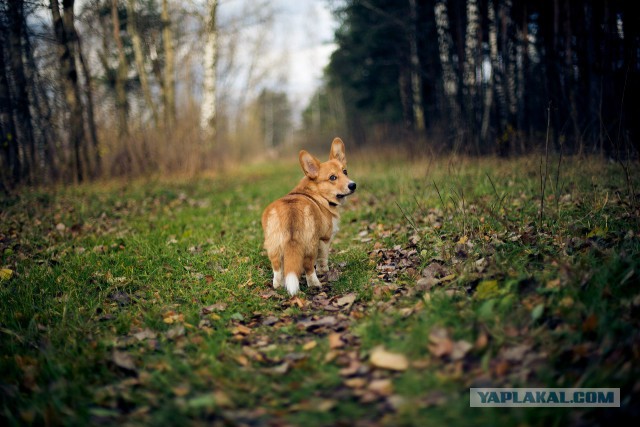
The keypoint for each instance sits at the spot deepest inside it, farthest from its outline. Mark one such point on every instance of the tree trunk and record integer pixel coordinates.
(10, 161)
(43, 120)
(121, 74)
(91, 121)
(493, 55)
(132, 29)
(469, 70)
(208, 109)
(23, 120)
(416, 79)
(69, 77)
(169, 73)
(448, 74)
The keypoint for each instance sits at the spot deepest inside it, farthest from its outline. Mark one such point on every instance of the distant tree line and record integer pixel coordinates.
(104, 88)
(486, 76)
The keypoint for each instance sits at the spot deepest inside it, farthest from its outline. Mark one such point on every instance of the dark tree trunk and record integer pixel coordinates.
(10, 161)
(23, 120)
(69, 75)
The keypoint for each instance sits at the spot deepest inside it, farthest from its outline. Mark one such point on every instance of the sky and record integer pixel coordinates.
(301, 42)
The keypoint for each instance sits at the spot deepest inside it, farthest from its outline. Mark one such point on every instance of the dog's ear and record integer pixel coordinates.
(310, 165)
(337, 151)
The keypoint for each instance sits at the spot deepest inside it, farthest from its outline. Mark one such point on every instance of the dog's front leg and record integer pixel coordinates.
(323, 257)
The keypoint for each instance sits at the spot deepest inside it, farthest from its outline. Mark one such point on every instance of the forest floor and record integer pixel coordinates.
(150, 302)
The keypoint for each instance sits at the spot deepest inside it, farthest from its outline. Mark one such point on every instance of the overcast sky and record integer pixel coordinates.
(302, 41)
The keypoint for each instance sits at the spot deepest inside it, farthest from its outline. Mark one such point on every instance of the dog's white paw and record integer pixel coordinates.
(277, 279)
(312, 280)
(292, 284)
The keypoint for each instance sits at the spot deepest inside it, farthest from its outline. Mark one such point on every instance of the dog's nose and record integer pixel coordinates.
(352, 186)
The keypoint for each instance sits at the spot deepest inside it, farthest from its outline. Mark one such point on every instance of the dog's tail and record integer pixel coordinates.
(293, 258)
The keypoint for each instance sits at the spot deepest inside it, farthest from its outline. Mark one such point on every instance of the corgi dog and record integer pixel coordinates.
(299, 227)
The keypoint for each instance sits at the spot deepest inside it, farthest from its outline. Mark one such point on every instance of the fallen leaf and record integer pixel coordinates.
(516, 353)
(297, 301)
(171, 317)
(5, 274)
(181, 390)
(460, 349)
(381, 358)
(383, 387)
(481, 341)
(335, 340)
(123, 360)
(241, 330)
(175, 332)
(346, 301)
(145, 334)
(440, 343)
(487, 289)
(220, 306)
(309, 345)
(355, 382)
(537, 312)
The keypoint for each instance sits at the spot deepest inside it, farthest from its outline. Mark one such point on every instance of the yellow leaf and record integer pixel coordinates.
(309, 345)
(5, 274)
(463, 240)
(381, 358)
(487, 289)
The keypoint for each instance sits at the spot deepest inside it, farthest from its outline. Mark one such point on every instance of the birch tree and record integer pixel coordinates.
(444, 48)
(168, 86)
(121, 74)
(132, 29)
(416, 79)
(208, 108)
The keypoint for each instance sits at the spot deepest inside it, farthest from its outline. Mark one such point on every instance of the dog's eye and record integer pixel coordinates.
(345, 172)
(333, 178)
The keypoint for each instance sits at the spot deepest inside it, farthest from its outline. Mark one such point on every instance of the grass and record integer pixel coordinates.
(149, 302)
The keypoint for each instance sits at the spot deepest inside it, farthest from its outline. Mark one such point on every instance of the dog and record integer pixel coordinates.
(299, 227)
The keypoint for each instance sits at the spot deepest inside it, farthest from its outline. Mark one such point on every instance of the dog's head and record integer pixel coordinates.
(329, 179)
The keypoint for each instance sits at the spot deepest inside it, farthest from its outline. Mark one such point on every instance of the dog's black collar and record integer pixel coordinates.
(332, 204)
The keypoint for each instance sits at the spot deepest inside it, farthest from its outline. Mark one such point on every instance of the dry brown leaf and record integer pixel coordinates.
(219, 306)
(481, 341)
(241, 330)
(309, 345)
(346, 301)
(383, 387)
(298, 301)
(172, 317)
(355, 382)
(123, 360)
(335, 340)
(440, 343)
(145, 334)
(381, 358)
(181, 390)
(460, 349)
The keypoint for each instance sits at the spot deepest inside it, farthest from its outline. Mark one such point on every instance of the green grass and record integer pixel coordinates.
(103, 319)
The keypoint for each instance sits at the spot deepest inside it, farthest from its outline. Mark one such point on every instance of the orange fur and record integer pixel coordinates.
(299, 227)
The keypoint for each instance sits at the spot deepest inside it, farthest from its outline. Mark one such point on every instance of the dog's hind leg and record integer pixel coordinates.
(276, 264)
(310, 271)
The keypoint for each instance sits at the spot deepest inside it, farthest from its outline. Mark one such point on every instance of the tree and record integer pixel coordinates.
(168, 86)
(208, 108)
(23, 120)
(136, 43)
